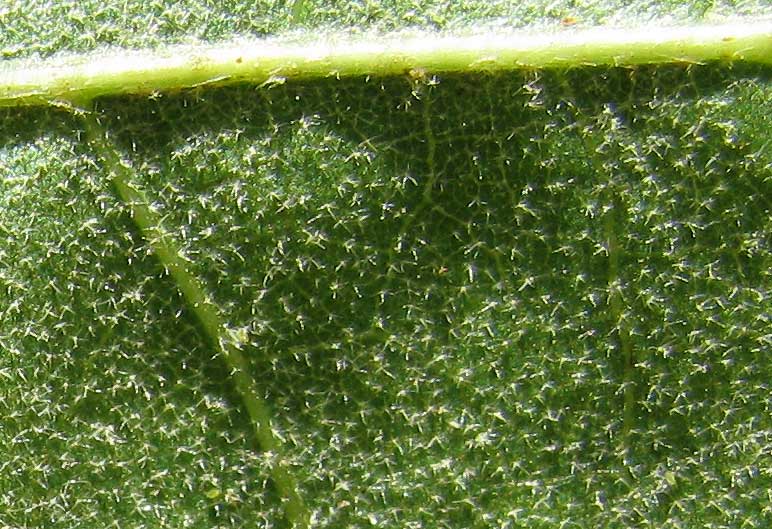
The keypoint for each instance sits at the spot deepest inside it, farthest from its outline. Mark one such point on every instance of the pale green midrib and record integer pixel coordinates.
(207, 313)
(74, 79)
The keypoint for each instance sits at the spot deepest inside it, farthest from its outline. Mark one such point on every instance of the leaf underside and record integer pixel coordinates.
(496, 301)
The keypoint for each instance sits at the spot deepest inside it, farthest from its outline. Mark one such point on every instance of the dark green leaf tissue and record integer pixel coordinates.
(526, 299)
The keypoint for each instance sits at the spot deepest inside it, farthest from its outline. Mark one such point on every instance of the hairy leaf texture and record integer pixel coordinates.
(533, 299)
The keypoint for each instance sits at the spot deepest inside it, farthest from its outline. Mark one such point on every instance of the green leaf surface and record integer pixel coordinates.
(531, 299)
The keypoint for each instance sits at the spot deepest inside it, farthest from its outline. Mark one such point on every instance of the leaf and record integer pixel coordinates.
(522, 299)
